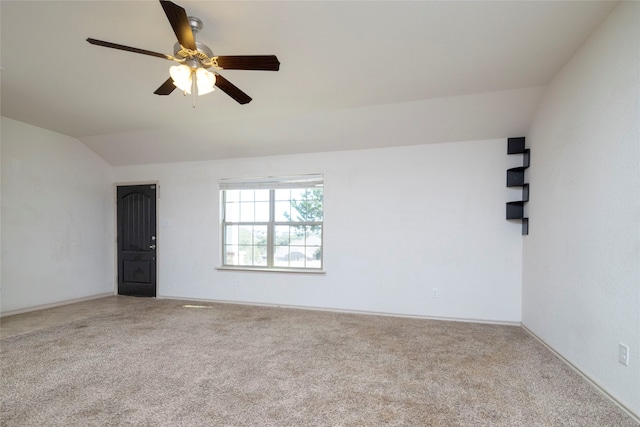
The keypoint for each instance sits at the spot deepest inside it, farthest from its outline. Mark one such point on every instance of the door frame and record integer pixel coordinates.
(115, 230)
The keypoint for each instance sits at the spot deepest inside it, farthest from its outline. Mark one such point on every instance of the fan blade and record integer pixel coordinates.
(166, 88)
(129, 49)
(249, 62)
(227, 87)
(180, 24)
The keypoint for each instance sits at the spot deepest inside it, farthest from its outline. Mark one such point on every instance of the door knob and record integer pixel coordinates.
(152, 247)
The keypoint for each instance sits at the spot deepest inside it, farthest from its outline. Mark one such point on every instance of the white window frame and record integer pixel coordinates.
(269, 183)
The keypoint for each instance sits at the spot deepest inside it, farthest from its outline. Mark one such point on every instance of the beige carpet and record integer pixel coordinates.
(157, 362)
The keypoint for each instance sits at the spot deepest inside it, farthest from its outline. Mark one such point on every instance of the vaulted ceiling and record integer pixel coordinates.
(349, 69)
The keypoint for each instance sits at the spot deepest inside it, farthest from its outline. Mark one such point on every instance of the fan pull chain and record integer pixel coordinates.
(194, 87)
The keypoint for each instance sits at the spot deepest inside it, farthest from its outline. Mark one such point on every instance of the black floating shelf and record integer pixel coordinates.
(526, 158)
(516, 178)
(515, 210)
(515, 145)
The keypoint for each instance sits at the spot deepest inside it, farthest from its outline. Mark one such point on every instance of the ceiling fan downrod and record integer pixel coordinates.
(194, 87)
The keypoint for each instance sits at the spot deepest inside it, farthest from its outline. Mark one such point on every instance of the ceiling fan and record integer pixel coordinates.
(192, 76)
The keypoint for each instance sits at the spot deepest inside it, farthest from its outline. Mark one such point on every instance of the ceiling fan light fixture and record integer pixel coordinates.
(205, 80)
(181, 75)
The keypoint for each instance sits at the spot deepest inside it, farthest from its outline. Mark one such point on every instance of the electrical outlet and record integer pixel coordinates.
(434, 293)
(623, 354)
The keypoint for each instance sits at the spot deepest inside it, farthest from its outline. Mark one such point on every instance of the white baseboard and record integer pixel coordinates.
(55, 304)
(591, 381)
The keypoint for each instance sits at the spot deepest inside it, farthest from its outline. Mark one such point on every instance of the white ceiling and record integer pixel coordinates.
(447, 70)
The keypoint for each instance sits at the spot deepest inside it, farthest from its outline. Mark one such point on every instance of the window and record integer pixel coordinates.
(272, 223)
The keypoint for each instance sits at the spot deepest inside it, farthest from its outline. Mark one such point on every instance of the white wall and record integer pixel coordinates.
(398, 222)
(581, 269)
(57, 219)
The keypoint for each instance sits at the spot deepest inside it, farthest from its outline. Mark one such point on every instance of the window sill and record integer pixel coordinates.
(271, 270)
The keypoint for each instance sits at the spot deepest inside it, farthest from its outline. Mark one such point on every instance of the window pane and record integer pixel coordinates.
(282, 211)
(314, 246)
(232, 212)
(297, 256)
(282, 235)
(260, 255)
(297, 194)
(231, 254)
(297, 235)
(307, 204)
(245, 235)
(245, 255)
(262, 195)
(247, 195)
(231, 234)
(315, 262)
(247, 211)
(313, 235)
(283, 194)
(232, 196)
(260, 235)
(281, 256)
(262, 212)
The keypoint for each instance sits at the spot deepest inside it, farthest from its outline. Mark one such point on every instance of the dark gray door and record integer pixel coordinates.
(137, 240)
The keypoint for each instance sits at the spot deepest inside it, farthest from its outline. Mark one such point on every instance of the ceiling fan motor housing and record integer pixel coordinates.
(203, 56)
